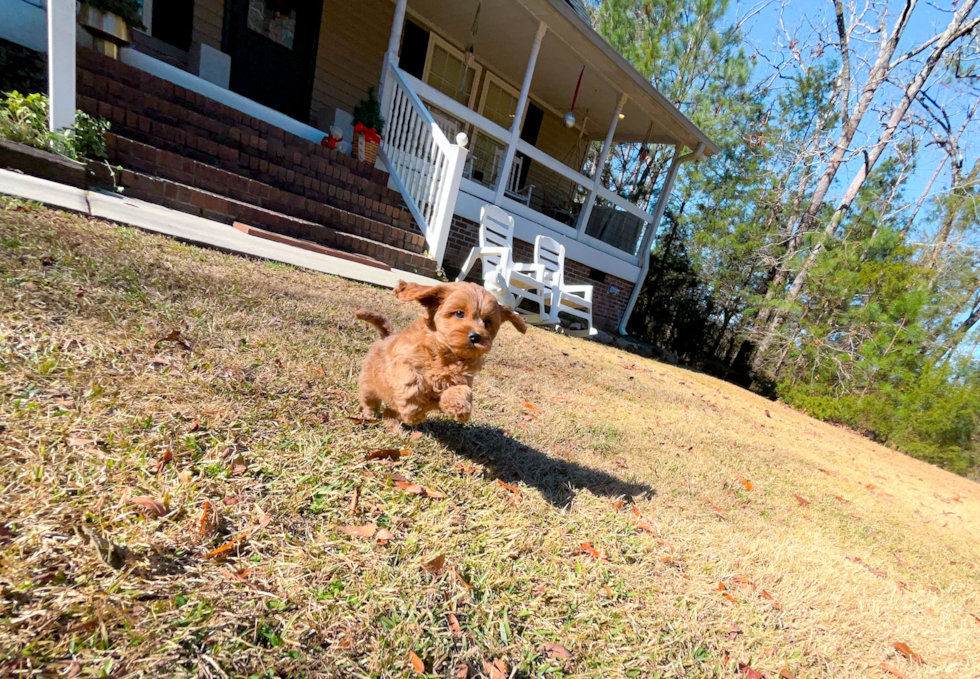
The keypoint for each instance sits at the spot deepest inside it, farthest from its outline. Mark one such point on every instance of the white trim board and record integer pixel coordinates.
(189, 81)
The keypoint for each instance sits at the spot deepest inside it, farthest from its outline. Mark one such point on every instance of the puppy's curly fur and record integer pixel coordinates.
(431, 364)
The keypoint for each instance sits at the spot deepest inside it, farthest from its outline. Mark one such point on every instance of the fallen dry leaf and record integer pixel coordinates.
(366, 531)
(498, 669)
(893, 671)
(514, 489)
(617, 505)
(435, 565)
(454, 627)
(207, 519)
(462, 672)
(412, 488)
(173, 336)
(228, 545)
(151, 507)
(265, 520)
(802, 500)
(876, 571)
(749, 673)
(746, 483)
(415, 436)
(554, 650)
(775, 604)
(164, 459)
(363, 420)
(417, 663)
(461, 579)
(609, 592)
(383, 536)
(592, 551)
(533, 408)
(352, 507)
(643, 525)
(904, 649)
(81, 443)
(238, 466)
(786, 674)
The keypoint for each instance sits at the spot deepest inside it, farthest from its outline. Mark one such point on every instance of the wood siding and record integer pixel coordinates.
(208, 22)
(353, 40)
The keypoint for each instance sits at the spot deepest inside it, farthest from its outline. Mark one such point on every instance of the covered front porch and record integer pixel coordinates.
(516, 103)
(529, 101)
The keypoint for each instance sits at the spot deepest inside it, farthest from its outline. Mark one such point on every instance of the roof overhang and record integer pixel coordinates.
(503, 43)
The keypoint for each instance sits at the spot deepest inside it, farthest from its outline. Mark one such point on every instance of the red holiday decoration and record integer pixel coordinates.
(370, 134)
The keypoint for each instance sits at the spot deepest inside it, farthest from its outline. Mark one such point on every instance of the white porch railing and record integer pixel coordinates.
(579, 231)
(423, 164)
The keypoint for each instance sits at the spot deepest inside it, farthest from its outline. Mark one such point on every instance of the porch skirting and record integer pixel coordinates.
(610, 295)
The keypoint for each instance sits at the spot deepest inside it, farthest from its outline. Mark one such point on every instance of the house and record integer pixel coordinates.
(219, 107)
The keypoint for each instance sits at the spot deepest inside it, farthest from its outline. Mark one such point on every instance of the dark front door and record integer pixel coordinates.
(272, 44)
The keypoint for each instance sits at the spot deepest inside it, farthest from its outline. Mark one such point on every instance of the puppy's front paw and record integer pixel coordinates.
(457, 402)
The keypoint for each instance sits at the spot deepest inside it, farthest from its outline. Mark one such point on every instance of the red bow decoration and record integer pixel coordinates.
(370, 134)
(329, 142)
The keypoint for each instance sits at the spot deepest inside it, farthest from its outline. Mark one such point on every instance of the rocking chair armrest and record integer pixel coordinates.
(537, 269)
(585, 291)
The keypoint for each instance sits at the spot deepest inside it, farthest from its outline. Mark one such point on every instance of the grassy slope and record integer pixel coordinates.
(90, 404)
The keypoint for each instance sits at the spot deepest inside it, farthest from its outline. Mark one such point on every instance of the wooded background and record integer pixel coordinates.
(830, 254)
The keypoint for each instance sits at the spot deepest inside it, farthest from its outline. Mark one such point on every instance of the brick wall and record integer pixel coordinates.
(158, 113)
(607, 305)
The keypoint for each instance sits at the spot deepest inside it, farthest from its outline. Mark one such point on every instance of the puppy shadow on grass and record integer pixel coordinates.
(512, 461)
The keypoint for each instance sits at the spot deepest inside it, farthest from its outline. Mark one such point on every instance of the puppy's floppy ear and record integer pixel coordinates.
(508, 314)
(429, 296)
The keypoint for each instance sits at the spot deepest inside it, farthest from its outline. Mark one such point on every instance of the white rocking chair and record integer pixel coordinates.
(496, 252)
(574, 300)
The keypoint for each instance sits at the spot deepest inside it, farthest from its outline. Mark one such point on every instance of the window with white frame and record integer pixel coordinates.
(446, 70)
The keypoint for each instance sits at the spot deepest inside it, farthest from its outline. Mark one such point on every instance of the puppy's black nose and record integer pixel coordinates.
(475, 337)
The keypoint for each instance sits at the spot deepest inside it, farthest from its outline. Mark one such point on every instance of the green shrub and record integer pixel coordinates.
(368, 112)
(24, 119)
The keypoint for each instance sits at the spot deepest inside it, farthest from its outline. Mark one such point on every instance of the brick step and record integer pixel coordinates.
(174, 167)
(219, 208)
(156, 112)
(307, 245)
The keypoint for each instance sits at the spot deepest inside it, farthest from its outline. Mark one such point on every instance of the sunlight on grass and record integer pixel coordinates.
(173, 503)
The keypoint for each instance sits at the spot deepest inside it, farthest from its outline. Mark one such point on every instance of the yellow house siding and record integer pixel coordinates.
(208, 22)
(353, 40)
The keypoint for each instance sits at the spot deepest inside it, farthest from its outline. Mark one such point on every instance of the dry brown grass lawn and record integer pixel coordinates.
(725, 565)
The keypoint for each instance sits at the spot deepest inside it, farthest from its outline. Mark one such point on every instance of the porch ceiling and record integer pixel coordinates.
(503, 43)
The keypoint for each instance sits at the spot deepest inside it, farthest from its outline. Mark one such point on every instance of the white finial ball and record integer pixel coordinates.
(462, 139)
(569, 120)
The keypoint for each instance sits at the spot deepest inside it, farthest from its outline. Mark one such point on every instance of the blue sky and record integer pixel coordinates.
(810, 21)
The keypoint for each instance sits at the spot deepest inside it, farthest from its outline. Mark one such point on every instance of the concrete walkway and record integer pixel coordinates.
(190, 229)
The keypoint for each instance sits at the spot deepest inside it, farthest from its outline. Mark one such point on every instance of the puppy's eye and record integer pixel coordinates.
(460, 314)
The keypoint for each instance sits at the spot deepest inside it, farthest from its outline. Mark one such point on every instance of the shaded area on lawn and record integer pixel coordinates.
(511, 460)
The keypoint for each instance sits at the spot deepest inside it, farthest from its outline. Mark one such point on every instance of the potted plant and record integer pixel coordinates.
(110, 22)
(368, 126)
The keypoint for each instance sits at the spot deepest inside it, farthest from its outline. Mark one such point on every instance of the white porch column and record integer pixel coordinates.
(397, 25)
(61, 63)
(515, 129)
(658, 213)
(583, 217)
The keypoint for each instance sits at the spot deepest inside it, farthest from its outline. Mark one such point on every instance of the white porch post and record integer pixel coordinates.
(515, 129)
(654, 225)
(61, 63)
(583, 217)
(391, 56)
